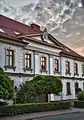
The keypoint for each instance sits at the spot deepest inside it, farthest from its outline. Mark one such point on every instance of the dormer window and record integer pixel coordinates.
(16, 33)
(45, 35)
(1, 30)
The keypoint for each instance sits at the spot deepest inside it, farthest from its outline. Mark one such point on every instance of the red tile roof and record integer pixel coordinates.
(10, 25)
(67, 51)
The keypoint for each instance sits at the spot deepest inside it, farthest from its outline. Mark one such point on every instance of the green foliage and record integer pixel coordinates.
(26, 94)
(30, 91)
(47, 84)
(81, 96)
(79, 104)
(6, 90)
(78, 90)
(3, 103)
(33, 107)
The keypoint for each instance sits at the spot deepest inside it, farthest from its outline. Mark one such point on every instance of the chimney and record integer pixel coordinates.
(35, 26)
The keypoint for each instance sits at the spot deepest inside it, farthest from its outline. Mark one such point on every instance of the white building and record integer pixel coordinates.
(25, 51)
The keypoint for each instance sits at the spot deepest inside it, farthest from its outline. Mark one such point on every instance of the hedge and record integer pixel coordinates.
(16, 109)
(79, 104)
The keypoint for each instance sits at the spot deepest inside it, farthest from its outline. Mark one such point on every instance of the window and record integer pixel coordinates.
(83, 86)
(16, 33)
(1, 30)
(76, 85)
(68, 88)
(75, 69)
(12, 83)
(28, 61)
(83, 70)
(67, 67)
(43, 63)
(56, 65)
(76, 88)
(10, 57)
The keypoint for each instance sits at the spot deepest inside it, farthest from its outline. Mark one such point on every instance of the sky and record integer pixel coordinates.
(74, 37)
(18, 3)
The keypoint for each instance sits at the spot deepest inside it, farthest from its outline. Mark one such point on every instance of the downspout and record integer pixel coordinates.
(60, 66)
(49, 72)
(49, 64)
(61, 71)
(34, 61)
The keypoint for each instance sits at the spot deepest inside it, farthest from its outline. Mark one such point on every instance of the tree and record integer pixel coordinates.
(6, 90)
(30, 91)
(78, 90)
(81, 96)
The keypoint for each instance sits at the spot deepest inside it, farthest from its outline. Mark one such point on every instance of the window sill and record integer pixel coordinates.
(10, 67)
(68, 73)
(27, 69)
(76, 74)
(43, 71)
(56, 72)
(68, 94)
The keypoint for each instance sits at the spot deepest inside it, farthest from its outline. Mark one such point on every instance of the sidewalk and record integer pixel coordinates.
(33, 116)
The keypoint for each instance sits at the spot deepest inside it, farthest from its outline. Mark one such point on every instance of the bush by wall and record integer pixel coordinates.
(33, 107)
(81, 96)
(78, 90)
(3, 103)
(79, 104)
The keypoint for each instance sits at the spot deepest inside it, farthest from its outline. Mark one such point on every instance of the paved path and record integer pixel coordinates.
(31, 116)
(72, 116)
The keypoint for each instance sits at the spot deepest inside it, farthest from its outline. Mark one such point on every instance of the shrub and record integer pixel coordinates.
(6, 89)
(81, 96)
(3, 103)
(33, 107)
(78, 90)
(79, 104)
(30, 92)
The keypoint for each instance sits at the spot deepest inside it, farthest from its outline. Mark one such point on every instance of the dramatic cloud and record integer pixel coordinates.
(63, 18)
(17, 3)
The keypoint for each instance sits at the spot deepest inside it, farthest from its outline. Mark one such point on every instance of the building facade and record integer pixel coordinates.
(26, 51)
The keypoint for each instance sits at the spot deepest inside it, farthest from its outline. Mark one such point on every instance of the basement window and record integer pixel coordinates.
(1, 30)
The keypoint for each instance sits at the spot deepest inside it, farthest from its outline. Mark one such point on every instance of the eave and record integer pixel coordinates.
(12, 41)
(40, 42)
(71, 57)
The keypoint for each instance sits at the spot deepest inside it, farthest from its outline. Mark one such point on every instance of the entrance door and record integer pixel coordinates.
(43, 98)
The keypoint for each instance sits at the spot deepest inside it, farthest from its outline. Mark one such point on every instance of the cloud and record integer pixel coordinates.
(18, 3)
(79, 49)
